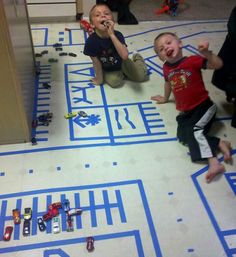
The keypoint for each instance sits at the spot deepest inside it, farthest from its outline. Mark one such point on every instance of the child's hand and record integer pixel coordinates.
(96, 81)
(159, 99)
(203, 46)
(110, 27)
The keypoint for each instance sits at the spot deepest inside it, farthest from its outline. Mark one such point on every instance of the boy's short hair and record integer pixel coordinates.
(92, 9)
(165, 33)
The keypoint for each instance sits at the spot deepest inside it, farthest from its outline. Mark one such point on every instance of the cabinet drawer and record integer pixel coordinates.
(52, 10)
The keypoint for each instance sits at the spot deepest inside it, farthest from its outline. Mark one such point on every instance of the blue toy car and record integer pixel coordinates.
(66, 205)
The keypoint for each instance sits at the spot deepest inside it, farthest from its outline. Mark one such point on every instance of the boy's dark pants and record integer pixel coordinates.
(193, 128)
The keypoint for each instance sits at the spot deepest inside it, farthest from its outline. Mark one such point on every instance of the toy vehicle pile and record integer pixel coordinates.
(52, 214)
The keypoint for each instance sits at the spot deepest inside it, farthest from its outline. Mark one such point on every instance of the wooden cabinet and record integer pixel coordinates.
(51, 8)
(17, 74)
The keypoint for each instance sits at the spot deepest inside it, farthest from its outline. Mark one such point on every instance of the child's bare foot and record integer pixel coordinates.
(225, 148)
(214, 171)
(215, 168)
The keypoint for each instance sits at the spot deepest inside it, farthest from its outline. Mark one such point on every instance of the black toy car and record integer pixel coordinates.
(41, 224)
(26, 228)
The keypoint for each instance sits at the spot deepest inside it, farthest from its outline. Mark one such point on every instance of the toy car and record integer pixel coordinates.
(38, 55)
(46, 117)
(44, 52)
(57, 45)
(7, 233)
(63, 54)
(90, 243)
(51, 60)
(26, 228)
(34, 123)
(52, 211)
(74, 211)
(41, 224)
(86, 26)
(34, 141)
(55, 205)
(28, 214)
(46, 85)
(70, 115)
(66, 205)
(83, 114)
(50, 214)
(56, 225)
(47, 216)
(72, 54)
(58, 48)
(70, 225)
(16, 216)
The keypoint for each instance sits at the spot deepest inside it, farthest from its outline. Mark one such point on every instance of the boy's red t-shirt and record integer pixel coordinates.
(186, 81)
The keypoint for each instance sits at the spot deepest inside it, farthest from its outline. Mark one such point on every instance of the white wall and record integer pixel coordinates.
(87, 5)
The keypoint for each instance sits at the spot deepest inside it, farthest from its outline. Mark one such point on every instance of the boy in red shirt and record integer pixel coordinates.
(197, 112)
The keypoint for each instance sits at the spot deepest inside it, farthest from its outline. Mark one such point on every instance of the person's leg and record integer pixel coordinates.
(182, 128)
(203, 146)
(215, 168)
(114, 78)
(136, 69)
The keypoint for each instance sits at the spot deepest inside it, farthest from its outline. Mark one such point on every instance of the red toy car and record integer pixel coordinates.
(52, 211)
(50, 214)
(90, 243)
(55, 205)
(7, 233)
(86, 26)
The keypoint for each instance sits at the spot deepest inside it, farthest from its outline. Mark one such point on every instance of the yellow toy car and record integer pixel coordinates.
(70, 115)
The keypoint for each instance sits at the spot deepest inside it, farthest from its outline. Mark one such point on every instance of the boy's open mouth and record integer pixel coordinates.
(104, 23)
(169, 52)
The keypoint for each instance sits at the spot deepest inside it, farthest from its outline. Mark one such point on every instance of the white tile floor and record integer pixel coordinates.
(140, 193)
